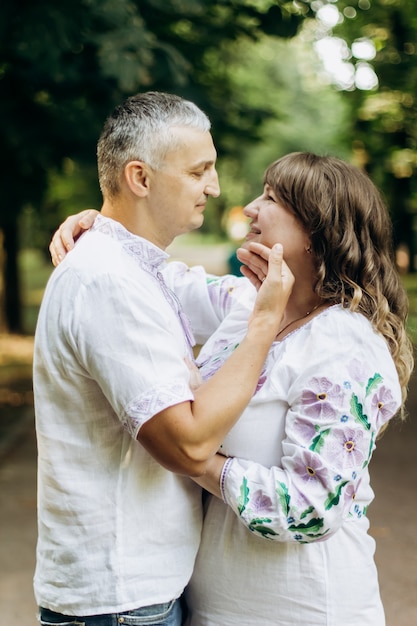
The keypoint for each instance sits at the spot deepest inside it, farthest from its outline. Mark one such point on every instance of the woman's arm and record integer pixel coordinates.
(211, 480)
(332, 421)
(64, 238)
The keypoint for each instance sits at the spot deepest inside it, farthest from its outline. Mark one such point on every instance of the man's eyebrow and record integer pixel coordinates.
(203, 163)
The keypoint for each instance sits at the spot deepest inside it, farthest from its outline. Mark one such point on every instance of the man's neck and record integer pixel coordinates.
(135, 221)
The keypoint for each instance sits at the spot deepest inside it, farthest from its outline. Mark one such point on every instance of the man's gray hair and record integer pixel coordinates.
(140, 129)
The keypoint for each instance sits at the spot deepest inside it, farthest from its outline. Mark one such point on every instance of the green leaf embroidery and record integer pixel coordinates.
(333, 498)
(373, 382)
(260, 520)
(312, 526)
(284, 497)
(315, 536)
(318, 440)
(244, 496)
(371, 445)
(256, 526)
(212, 279)
(357, 410)
(307, 512)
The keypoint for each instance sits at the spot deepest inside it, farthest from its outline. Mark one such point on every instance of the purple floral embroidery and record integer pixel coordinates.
(346, 447)
(221, 351)
(349, 495)
(209, 366)
(220, 292)
(358, 370)
(261, 381)
(310, 468)
(322, 399)
(306, 431)
(261, 503)
(383, 406)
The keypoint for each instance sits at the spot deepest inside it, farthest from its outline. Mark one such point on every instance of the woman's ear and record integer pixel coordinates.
(136, 174)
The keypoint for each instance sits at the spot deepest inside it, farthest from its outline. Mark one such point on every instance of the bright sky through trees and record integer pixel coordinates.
(336, 55)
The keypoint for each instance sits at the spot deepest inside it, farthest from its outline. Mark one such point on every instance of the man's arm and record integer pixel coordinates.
(185, 436)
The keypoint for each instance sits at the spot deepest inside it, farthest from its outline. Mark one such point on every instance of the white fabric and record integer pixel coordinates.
(291, 545)
(208, 298)
(116, 530)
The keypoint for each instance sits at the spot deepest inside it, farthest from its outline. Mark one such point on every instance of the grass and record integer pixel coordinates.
(35, 270)
(410, 283)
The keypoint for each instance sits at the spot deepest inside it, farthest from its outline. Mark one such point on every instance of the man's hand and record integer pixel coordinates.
(69, 231)
(275, 287)
(274, 281)
(196, 380)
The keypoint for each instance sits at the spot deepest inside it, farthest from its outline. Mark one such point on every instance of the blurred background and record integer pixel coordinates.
(334, 77)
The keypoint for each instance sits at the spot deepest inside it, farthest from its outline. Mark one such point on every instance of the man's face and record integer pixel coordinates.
(179, 190)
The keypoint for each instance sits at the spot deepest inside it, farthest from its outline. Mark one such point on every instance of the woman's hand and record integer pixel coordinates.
(211, 478)
(69, 231)
(196, 380)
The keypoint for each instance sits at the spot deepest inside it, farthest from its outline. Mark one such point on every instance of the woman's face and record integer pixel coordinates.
(272, 223)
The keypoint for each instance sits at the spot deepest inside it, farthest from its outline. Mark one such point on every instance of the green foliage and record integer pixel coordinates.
(410, 283)
(282, 78)
(64, 65)
(385, 132)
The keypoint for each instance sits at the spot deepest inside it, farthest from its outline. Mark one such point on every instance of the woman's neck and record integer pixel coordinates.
(299, 313)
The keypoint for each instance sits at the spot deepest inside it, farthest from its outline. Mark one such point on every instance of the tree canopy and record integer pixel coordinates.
(382, 36)
(64, 65)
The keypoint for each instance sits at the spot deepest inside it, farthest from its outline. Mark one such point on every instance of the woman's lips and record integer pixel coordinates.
(253, 232)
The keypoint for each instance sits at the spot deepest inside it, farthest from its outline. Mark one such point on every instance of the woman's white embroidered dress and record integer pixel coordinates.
(289, 545)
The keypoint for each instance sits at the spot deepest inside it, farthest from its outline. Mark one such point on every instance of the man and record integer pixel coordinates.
(118, 532)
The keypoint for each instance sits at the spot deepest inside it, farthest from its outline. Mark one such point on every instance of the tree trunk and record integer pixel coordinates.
(402, 216)
(10, 300)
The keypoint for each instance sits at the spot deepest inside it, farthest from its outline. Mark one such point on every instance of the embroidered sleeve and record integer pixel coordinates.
(206, 299)
(331, 425)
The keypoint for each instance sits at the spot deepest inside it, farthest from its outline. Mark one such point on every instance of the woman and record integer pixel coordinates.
(285, 534)
(285, 538)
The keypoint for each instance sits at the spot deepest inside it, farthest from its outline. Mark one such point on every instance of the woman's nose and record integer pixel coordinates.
(251, 210)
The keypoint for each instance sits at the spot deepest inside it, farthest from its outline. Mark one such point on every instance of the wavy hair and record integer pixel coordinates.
(351, 238)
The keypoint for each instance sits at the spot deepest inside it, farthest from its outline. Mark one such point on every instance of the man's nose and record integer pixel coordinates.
(213, 187)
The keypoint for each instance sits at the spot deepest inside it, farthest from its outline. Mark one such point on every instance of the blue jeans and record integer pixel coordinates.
(167, 614)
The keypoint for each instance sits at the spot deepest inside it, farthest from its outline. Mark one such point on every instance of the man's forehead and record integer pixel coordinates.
(195, 147)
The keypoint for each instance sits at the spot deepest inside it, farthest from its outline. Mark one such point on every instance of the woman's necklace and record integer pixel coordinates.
(298, 319)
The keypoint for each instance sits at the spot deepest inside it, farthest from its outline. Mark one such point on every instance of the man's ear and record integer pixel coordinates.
(136, 174)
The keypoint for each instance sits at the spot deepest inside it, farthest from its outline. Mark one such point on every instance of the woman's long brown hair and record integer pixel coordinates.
(351, 238)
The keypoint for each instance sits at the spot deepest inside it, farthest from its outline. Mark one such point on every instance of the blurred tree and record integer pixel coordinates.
(308, 114)
(64, 65)
(382, 53)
